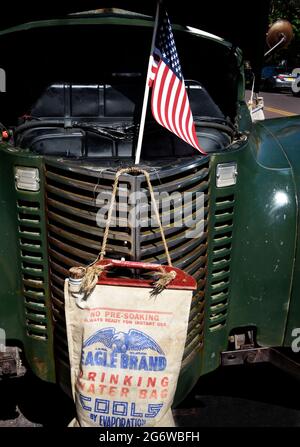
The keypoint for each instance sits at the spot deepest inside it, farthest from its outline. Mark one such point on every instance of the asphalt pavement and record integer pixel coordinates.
(279, 104)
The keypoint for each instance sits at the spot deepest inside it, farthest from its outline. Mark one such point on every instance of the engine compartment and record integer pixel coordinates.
(102, 120)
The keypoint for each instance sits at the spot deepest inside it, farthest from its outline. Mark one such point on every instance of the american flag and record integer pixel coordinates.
(170, 104)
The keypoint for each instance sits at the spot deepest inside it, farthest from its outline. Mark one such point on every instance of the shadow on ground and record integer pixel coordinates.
(28, 401)
(247, 396)
(254, 395)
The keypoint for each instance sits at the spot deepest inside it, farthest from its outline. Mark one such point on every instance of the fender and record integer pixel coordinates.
(263, 245)
(287, 133)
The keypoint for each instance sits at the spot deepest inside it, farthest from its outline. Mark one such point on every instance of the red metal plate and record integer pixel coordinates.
(181, 281)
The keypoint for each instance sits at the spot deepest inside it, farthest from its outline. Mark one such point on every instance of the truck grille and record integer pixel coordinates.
(75, 239)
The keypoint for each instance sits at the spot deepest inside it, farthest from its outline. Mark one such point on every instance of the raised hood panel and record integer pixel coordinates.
(242, 23)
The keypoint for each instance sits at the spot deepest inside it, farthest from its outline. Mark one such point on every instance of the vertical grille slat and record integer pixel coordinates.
(221, 245)
(32, 268)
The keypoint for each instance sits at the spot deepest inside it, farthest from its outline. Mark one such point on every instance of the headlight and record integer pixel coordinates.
(226, 174)
(27, 179)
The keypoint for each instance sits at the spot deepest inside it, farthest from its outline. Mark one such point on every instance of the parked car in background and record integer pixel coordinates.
(277, 78)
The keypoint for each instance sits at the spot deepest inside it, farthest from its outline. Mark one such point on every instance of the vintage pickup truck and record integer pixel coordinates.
(69, 114)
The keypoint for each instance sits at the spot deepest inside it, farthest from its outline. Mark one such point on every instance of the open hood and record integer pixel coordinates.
(242, 23)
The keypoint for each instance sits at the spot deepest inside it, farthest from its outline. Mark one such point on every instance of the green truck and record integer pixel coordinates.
(69, 115)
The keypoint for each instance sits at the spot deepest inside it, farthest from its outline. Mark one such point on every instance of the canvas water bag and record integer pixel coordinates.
(126, 346)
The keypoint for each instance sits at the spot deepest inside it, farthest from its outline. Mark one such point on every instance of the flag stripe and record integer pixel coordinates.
(182, 101)
(176, 109)
(155, 93)
(165, 94)
(153, 71)
(185, 119)
(171, 109)
(189, 125)
(169, 104)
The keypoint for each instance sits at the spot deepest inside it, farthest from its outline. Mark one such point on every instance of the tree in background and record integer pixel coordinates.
(288, 10)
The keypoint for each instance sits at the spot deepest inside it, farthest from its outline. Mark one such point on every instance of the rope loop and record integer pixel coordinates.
(132, 170)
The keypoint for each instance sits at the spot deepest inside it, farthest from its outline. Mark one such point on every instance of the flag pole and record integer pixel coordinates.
(146, 94)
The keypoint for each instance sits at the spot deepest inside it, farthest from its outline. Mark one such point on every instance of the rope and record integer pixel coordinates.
(91, 278)
(93, 271)
(162, 282)
(112, 203)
